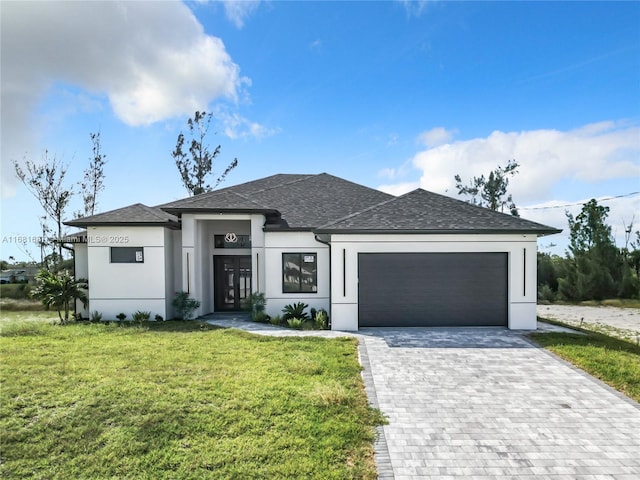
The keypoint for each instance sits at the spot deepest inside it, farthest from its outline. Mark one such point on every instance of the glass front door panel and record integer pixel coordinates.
(232, 281)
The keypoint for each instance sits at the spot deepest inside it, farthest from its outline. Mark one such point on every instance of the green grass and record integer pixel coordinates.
(614, 361)
(16, 297)
(180, 400)
(16, 291)
(611, 302)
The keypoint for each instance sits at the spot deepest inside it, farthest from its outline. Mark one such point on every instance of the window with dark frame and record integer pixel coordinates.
(299, 273)
(127, 254)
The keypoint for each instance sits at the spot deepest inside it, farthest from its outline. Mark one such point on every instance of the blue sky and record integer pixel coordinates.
(393, 95)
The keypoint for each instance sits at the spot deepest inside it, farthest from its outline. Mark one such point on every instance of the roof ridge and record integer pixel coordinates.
(485, 210)
(157, 212)
(245, 197)
(359, 212)
(307, 176)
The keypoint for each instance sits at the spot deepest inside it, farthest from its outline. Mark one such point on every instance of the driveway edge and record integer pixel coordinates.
(380, 448)
(587, 375)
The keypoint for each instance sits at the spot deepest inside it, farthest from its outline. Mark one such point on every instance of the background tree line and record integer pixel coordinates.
(594, 268)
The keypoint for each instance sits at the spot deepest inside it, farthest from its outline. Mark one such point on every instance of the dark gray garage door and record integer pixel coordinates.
(432, 289)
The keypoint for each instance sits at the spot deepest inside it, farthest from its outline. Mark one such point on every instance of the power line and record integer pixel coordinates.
(579, 203)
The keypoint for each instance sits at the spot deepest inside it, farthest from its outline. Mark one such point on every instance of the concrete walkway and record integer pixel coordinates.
(485, 403)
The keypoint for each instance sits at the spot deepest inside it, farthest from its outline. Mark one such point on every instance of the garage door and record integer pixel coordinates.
(432, 289)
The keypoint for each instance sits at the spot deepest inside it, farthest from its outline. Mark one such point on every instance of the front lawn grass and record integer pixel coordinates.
(180, 400)
(614, 361)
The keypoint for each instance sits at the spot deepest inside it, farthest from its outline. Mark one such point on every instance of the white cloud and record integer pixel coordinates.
(622, 211)
(238, 10)
(399, 188)
(151, 60)
(316, 44)
(590, 153)
(572, 162)
(436, 136)
(236, 126)
(394, 173)
(415, 8)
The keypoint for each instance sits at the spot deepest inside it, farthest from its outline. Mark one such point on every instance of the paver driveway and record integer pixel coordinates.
(487, 404)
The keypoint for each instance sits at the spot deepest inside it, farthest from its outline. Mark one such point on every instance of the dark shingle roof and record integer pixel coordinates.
(327, 204)
(303, 201)
(76, 237)
(421, 211)
(137, 214)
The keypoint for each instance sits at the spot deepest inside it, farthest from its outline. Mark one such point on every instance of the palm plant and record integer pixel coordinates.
(295, 310)
(59, 291)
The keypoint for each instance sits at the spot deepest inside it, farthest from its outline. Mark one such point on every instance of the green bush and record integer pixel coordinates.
(121, 316)
(141, 316)
(184, 305)
(295, 310)
(296, 323)
(546, 294)
(322, 319)
(159, 318)
(95, 317)
(16, 291)
(277, 320)
(257, 303)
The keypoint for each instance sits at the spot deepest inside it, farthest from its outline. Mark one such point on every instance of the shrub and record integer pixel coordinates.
(96, 316)
(141, 316)
(257, 303)
(296, 323)
(184, 305)
(295, 310)
(158, 317)
(277, 320)
(16, 291)
(546, 294)
(322, 319)
(121, 316)
(260, 317)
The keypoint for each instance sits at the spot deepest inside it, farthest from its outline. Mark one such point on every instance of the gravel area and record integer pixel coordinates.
(624, 322)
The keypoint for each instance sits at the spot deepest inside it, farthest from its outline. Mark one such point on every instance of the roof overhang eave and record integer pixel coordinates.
(170, 225)
(262, 211)
(486, 231)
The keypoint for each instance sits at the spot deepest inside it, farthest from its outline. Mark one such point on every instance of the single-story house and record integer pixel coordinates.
(367, 257)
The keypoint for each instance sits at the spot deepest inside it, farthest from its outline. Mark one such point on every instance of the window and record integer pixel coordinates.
(127, 254)
(299, 273)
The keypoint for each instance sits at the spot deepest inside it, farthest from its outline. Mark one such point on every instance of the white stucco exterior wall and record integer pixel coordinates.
(277, 243)
(127, 287)
(81, 270)
(198, 249)
(522, 275)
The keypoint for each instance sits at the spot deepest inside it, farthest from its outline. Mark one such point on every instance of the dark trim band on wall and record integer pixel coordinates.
(524, 272)
(257, 272)
(344, 272)
(188, 283)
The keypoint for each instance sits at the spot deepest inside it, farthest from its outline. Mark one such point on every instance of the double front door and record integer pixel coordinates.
(232, 281)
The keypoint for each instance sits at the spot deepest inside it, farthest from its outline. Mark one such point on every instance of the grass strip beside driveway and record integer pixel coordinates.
(180, 400)
(614, 361)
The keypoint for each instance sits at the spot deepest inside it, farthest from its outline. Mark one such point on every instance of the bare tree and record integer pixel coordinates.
(93, 181)
(45, 181)
(196, 163)
(490, 191)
